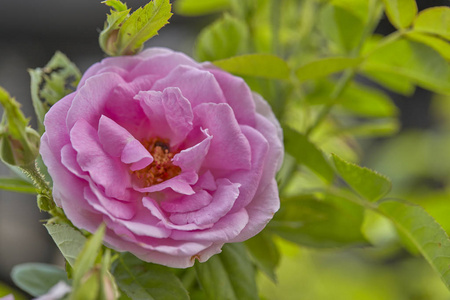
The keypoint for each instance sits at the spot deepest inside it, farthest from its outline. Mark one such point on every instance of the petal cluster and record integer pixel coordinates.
(175, 157)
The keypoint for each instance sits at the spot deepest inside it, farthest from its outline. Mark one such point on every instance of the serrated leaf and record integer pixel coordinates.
(257, 65)
(264, 253)
(51, 83)
(341, 26)
(326, 66)
(306, 153)
(414, 61)
(229, 275)
(224, 38)
(200, 7)
(368, 183)
(116, 4)
(329, 221)
(17, 185)
(143, 24)
(434, 20)
(37, 278)
(401, 13)
(425, 233)
(69, 241)
(146, 281)
(87, 257)
(438, 44)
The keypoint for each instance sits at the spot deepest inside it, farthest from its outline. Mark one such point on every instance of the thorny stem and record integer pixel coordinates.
(45, 197)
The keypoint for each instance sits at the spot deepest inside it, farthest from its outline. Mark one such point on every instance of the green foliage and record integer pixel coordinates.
(229, 275)
(125, 34)
(369, 184)
(36, 278)
(341, 26)
(326, 66)
(140, 280)
(69, 240)
(257, 65)
(200, 7)
(17, 185)
(427, 235)
(404, 57)
(87, 257)
(401, 13)
(51, 83)
(19, 144)
(434, 20)
(306, 153)
(328, 221)
(264, 253)
(224, 38)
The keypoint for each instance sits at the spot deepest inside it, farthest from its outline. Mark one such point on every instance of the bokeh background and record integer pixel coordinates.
(31, 32)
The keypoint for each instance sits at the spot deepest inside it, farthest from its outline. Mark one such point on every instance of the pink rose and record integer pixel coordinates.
(175, 157)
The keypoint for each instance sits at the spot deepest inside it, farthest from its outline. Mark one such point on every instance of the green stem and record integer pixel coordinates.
(45, 197)
(349, 74)
(32, 171)
(344, 81)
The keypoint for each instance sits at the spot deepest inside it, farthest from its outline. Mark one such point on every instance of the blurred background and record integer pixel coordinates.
(31, 32)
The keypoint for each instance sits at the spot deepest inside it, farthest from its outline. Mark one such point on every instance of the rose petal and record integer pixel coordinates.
(170, 114)
(181, 184)
(89, 101)
(229, 149)
(79, 212)
(238, 95)
(196, 85)
(118, 142)
(222, 201)
(226, 229)
(191, 159)
(188, 203)
(107, 205)
(260, 211)
(107, 171)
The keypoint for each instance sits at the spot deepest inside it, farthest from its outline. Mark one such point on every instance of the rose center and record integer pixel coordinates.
(162, 168)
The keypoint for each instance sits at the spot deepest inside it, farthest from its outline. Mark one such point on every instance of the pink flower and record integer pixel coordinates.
(175, 157)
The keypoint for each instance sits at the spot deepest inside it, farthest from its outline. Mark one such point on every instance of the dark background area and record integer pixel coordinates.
(30, 33)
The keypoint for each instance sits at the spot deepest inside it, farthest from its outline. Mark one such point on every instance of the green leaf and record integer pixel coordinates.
(264, 253)
(87, 257)
(36, 278)
(17, 185)
(380, 127)
(326, 66)
(142, 25)
(69, 241)
(369, 184)
(51, 83)
(114, 20)
(116, 4)
(427, 235)
(200, 7)
(393, 82)
(368, 102)
(257, 65)
(440, 45)
(434, 20)
(306, 153)
(414, 61)
(146, 281)
(400, 13)
(341, 26)
(224, 38)
(329, 221)
(229, 275)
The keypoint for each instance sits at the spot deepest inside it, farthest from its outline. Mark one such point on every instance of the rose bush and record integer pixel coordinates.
(175, 157)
